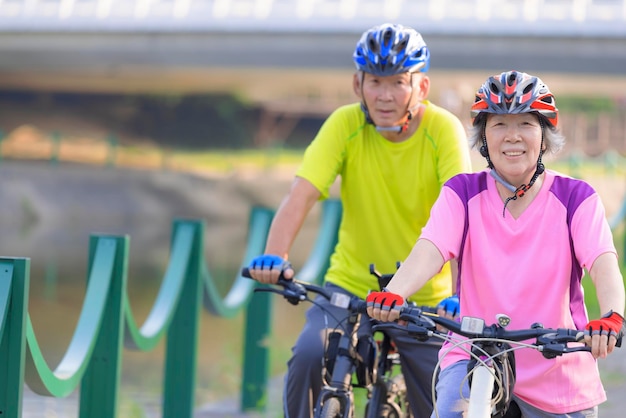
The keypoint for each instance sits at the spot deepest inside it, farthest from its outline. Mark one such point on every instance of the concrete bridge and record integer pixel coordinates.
(261, 49)
(293, 57)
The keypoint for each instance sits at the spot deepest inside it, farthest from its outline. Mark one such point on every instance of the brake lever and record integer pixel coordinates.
(293, 297)
(552, 350)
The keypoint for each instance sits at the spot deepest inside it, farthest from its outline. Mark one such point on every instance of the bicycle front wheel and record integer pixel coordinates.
(331, 409)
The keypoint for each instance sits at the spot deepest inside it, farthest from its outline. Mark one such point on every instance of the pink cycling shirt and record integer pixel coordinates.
(528, 269)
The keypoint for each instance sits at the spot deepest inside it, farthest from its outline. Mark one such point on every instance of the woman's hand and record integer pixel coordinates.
(384, 306)
(602, 334)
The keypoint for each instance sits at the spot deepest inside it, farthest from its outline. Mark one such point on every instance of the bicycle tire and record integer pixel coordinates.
(387, 411)
(398, 397)
(331, 409)
(390, 403)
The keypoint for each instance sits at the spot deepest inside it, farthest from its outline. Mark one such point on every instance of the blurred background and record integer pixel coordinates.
(119, 116)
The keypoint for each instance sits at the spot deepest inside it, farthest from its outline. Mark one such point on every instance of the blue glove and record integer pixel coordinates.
(270, 262)
(450, 305)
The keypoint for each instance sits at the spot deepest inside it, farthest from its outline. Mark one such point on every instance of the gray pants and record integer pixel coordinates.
(450, 404)
(303, 381)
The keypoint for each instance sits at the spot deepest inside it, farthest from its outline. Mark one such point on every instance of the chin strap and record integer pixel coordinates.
(401, 128)
(521, 190)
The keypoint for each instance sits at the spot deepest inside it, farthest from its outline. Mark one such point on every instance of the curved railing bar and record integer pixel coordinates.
(242, 288)
(66, 377)
(155, 325)
(317, 263)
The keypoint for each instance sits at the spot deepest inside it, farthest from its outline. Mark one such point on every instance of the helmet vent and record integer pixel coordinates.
(401, 45)
(511, 79)
(387, 37)
(373, 46)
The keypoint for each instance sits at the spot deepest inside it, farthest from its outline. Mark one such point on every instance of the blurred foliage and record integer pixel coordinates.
(589, 105)
(192, 122)
(195, 121)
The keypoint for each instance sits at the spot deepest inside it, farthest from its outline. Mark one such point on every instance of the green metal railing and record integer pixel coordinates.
(106, 324)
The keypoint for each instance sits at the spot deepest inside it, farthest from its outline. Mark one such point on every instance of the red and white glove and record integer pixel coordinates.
(611, 323)
(385, 301)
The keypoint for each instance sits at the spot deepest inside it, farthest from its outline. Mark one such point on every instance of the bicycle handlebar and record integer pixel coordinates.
(296, 291)
(550, 342)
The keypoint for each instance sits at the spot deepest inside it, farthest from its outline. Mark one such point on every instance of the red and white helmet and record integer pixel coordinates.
(514, 92)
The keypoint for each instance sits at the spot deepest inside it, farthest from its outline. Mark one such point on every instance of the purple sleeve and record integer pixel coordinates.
(591, 232)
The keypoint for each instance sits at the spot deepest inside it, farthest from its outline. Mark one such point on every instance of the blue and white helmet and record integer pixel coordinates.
(391, 49)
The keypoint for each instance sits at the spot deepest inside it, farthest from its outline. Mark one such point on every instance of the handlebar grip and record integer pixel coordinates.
(245, 272)
(360, 306)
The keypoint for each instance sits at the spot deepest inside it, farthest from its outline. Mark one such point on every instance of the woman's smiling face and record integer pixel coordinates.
(514, 142)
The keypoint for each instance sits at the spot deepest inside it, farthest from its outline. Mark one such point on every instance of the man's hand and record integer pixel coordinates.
(602, 334)
(384, 306)
(268, 268)
(448, 308)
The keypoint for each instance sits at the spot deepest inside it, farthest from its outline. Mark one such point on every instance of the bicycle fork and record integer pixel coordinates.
(340, 385)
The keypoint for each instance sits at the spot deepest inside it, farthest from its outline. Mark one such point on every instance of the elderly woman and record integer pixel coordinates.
(522, 236)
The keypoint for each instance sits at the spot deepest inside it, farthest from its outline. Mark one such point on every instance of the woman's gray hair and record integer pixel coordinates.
(552, 137)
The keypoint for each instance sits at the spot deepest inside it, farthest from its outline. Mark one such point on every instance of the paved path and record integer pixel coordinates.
(34, 406)
(613, 370)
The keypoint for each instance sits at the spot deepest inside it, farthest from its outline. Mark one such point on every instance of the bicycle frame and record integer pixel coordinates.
(336, 398)
(340, 384)
(385, 388)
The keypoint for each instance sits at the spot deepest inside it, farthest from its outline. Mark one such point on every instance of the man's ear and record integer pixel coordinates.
(424, 84)
(356, 85)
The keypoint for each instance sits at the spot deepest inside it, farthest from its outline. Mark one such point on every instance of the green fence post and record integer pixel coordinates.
(14, 284)
(101, 381)
(182, 335)
(255, 376)
(259, 312)
(257, 330)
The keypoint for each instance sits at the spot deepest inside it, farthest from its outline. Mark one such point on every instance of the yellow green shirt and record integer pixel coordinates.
(387, 191)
